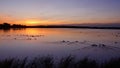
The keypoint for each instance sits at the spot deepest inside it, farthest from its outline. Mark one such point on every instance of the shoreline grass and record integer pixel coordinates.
(65, 62)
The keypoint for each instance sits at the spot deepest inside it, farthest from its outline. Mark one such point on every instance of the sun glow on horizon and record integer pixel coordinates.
(32, 22)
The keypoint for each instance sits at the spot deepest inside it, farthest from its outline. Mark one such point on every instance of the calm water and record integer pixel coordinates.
(60, 43)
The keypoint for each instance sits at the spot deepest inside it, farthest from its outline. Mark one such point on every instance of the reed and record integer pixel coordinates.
(65, 62)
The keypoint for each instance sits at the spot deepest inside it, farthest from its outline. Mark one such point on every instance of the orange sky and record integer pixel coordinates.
(43, 21)
(56, 12)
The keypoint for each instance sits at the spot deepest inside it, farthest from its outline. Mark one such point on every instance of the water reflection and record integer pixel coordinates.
(8, 29)
(5, 30)
(93, 43)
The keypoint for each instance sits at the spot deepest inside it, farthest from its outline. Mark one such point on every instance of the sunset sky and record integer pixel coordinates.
(49, 12)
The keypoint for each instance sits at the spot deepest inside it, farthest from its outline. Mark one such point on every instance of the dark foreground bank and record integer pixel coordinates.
(49, 62)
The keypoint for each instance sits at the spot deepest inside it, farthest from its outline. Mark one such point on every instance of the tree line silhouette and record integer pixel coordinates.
(8, 26)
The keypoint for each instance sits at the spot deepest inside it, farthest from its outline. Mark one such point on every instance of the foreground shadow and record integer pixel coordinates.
(49, 62)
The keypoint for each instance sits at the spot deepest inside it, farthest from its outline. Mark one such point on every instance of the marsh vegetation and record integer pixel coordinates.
(50, 62)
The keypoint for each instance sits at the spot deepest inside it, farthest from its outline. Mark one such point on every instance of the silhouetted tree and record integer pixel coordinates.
(18, 26)
(1, 26)
(6, 25)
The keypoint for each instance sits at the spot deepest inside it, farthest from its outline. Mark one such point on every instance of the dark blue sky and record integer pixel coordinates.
(60, 11)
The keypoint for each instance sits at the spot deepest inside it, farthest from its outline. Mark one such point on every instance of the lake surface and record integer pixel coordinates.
(98, 44)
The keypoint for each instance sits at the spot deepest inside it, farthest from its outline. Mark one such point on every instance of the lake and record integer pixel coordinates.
(98, 44)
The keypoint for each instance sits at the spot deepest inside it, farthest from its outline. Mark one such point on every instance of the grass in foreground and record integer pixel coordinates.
(49, 62)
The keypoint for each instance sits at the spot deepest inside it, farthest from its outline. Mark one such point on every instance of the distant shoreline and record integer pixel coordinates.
(9, 26)
(63, 27)
(81, 27)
